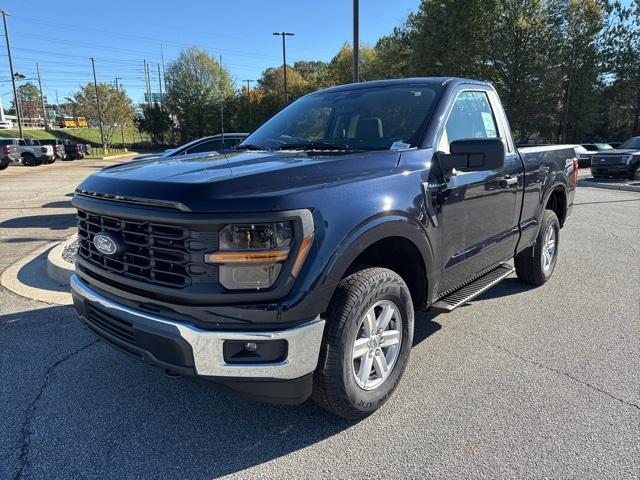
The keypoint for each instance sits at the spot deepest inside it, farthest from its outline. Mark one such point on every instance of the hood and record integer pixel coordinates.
(247, 181)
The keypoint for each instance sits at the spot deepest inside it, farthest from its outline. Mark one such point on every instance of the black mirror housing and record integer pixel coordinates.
(473, 154)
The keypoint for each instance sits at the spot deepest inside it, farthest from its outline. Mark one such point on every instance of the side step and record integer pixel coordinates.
(472, 290)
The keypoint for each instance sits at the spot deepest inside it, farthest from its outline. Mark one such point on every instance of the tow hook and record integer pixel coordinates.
(171, 374)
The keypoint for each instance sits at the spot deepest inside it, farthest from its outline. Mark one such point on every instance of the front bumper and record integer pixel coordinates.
(617, 170)
(186, 349)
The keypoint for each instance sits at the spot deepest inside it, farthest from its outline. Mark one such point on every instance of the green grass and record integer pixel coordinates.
(89, 135)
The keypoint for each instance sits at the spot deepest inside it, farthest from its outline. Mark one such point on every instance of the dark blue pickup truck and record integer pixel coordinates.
(293, 267)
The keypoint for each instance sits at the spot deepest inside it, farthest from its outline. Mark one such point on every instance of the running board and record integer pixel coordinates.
(472, 290)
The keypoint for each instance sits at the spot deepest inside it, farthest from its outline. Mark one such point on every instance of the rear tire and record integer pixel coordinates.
(536, 264)
(29, 160)
(366, 344)
(4, 163)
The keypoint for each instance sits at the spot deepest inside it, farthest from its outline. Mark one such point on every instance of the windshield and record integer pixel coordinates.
(376, 118)
(632, 143)
(580, 149)
(603, 146)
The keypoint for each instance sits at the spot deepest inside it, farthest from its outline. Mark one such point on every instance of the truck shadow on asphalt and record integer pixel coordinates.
(52, 222)
(98, 404)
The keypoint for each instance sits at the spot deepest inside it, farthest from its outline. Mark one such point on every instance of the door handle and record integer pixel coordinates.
(507, 181)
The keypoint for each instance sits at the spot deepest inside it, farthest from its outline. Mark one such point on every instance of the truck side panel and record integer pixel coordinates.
(546, 168)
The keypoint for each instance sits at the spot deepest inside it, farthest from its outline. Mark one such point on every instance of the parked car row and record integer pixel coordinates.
(31, 152)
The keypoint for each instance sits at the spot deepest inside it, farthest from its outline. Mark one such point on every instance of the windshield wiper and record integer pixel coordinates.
(250, 146)
(315, 146)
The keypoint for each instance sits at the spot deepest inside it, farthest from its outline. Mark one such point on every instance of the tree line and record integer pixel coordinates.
(566, 70)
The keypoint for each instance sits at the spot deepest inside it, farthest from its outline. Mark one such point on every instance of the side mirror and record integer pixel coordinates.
(473, 154)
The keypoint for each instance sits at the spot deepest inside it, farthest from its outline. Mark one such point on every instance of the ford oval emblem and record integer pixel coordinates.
(106, 243)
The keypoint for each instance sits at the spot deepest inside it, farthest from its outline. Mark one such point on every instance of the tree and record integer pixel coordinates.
(621, 57)
(393, 55)
(155, 121)
(30, 102)
(580, 113)
(453, 38)
(340, 66)
(269, 95)
(197, 87)
(315, 73)
(115, 106)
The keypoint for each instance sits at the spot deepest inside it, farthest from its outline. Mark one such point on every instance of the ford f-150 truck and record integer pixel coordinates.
(623, 161)
(293, 267)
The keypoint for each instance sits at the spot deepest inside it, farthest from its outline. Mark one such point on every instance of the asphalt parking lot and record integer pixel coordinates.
(521, 383)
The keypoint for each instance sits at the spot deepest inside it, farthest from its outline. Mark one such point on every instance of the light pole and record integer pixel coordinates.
(13, 75)
(44, 109)
(284, 62)
(95, 84)
(249, 97)
(356, 43)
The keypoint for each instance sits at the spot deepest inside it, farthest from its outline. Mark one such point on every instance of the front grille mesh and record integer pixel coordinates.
(157, 253)
(610, 160)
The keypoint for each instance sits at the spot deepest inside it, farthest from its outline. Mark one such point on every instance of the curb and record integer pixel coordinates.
(10, 280)
(112, 157)
(58, 268)
(609, 186)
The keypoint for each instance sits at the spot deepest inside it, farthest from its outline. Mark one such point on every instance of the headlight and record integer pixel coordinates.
(251, 255)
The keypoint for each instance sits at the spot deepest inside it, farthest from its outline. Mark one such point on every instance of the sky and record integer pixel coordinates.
(62, 35)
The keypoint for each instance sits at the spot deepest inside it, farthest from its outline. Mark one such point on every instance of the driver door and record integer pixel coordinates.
(478, 208)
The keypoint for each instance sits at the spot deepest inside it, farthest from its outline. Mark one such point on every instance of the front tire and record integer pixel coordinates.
(4, 163)
(536, 264)
(366, 345)
(635, 174)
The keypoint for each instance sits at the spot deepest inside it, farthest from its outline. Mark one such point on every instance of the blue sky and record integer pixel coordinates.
(62, 35)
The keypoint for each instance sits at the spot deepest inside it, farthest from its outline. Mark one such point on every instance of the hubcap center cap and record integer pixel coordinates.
(373, 343)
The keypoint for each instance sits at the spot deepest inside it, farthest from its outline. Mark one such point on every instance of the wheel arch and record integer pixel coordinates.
(398, 234)
(556, 200)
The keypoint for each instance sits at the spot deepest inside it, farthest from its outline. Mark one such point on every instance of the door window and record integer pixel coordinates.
(471, 117)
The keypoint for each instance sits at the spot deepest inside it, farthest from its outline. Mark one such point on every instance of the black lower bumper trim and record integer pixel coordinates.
(284, 392)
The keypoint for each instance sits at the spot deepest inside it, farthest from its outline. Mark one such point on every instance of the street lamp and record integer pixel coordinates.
(284, 62)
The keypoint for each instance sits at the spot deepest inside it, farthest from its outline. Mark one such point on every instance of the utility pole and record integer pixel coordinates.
(284, 62)
(249, 97)
(356, 42)
(44, 110)
(221, 104)
(95, 84)
(160, 85)
(568, 96)
(147, 82)
(13, 78)
(164, 73)
(121, 125)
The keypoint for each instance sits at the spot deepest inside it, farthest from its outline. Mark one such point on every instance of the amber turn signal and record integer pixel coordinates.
(230, 257)
(302, 255)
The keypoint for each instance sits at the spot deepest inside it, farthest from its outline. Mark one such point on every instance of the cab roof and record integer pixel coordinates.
(442, 81)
